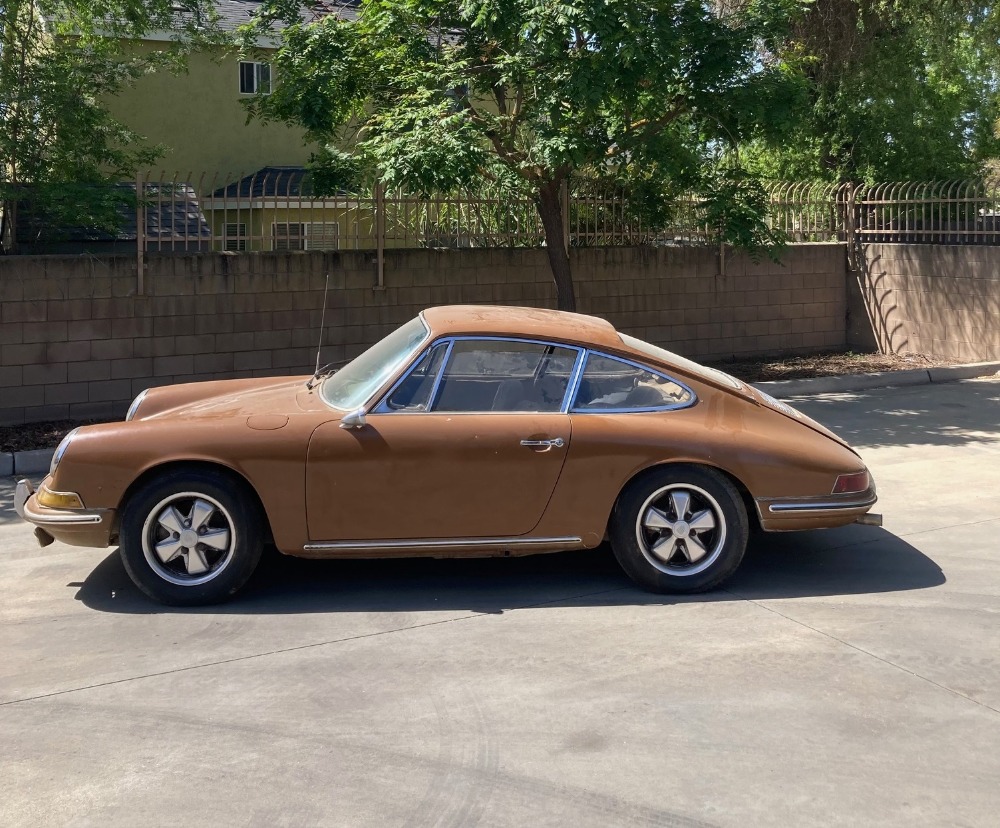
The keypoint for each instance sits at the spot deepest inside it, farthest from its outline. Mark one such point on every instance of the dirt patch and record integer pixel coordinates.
(38, 435)
(822, 365)
(48, 435)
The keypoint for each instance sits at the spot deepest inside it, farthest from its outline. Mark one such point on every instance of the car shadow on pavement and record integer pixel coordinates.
(852, 560)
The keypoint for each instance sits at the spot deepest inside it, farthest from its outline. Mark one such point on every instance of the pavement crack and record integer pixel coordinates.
(863, 651)
(299, 648)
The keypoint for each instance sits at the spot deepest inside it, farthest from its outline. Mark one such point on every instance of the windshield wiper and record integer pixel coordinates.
(319, 374)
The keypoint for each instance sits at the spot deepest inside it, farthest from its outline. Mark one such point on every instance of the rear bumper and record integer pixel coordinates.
(792, 513)
(77, 527)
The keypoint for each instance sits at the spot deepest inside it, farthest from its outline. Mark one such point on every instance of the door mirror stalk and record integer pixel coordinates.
(354, 419)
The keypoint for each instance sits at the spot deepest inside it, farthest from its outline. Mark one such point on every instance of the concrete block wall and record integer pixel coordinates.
(76, 341)
(942, 300)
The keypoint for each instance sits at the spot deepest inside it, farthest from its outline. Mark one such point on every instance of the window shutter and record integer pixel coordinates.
(236, 236)
(322, 236)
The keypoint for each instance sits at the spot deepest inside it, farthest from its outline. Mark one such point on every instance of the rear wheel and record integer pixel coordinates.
(191, 537)
(679, 529)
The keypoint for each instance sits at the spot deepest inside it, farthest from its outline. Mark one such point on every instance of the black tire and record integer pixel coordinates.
(206, 504)
(663, 552)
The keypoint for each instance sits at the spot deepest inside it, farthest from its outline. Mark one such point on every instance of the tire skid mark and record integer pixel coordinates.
(467, 765)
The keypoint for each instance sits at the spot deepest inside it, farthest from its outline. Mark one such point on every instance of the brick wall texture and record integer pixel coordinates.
(934, 299)
(77, 342)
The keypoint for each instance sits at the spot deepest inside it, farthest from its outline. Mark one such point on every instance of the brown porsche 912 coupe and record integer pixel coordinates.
(467, 431)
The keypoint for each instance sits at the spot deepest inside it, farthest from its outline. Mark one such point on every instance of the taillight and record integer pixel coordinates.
(856, 482)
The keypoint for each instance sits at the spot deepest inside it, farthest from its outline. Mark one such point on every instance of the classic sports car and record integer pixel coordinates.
(467, 431)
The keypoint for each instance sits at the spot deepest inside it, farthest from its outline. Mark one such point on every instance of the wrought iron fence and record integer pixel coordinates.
(933, 212)
(277, 208)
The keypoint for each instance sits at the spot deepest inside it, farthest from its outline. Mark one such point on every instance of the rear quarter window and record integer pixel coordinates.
(612, 384)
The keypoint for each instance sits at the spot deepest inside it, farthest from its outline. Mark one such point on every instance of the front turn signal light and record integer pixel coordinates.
(850, 483)
(58, 500)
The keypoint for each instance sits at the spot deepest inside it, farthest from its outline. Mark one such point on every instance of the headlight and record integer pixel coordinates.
(135, 405)
(61, 450)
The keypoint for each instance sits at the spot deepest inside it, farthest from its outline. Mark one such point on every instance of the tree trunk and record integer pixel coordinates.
(8, 226)
(550, 210)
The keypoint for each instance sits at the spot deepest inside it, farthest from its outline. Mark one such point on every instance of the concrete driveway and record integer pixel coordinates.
(842, 677)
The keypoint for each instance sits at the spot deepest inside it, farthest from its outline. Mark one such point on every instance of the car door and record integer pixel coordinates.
(469, 444)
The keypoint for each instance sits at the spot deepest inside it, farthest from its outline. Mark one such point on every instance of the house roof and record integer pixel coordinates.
(172, 211)
(234, 13)
(271, 182)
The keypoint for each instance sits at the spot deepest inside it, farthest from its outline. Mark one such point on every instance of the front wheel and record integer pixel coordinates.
(679, 529)
(191, 537)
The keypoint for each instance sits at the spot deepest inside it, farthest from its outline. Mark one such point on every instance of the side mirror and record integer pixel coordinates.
(353, 419)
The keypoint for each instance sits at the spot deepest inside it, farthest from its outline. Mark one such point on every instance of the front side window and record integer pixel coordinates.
(415, 391)
(255, 78)
(504, 376)
(354, 384)
(609, 383)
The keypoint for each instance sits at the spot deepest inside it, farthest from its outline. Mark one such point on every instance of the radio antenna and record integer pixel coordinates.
(322, 324)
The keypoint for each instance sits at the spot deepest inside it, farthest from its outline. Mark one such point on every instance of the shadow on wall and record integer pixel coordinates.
(878, 298)
(852, 560)
(937, 299)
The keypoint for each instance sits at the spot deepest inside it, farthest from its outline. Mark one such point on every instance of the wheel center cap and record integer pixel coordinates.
(189, 538)
(681, 529)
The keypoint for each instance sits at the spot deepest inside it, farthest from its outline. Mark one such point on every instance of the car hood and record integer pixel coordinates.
(223, 399)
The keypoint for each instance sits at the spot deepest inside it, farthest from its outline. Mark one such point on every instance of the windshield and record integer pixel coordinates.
(663, 355)
(354, 384)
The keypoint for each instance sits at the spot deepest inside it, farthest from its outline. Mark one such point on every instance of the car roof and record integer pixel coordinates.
(529, 323)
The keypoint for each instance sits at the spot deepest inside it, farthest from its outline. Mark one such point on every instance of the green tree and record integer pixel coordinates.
(897, 90)
(59, 59)
(437, 94)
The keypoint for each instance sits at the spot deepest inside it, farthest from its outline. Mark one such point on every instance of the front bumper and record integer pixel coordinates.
(77, 527)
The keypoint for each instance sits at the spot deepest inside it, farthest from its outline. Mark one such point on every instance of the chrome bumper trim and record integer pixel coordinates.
(22, 493)
(821, 506)
(441, 544)
(65, 518)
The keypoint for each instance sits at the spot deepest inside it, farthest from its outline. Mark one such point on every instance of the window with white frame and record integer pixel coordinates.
(255, 78)
(306, 236)
(236, 236)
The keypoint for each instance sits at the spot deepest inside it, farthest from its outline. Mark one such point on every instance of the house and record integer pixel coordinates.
(199, 115)
(275, 208)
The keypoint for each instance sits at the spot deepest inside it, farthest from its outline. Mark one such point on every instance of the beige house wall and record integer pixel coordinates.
(942, 300)
(76, 341)
(199, 116)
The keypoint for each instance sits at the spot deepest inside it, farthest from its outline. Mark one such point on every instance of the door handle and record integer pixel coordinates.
(556, 442)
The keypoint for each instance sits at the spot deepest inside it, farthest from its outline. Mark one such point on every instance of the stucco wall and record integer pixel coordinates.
(75, 340)
(934, 299)
(199, 116)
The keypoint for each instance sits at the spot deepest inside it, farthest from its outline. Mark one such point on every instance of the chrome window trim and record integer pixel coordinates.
(644, 409)
(406, 367)
(382, 406)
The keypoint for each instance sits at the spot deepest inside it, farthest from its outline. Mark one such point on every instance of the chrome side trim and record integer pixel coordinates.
(820, 506)
(441, 544)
